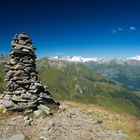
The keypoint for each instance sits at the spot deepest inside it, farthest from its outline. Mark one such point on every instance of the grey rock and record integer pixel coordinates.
(1, 96)
(22, 42)
(44, 95)
(9, 73)
(7, 97)
(18, 67)
(8, 103)
(38, 84)
(26, 96)
(28, 111)
(18, 99)
(12, 61)
(37, 113)
(26, 118)
(45, 109)
(62, 107)
(25, 50)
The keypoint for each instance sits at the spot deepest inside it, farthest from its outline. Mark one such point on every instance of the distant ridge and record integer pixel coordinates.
(80, 59)
(73, 58)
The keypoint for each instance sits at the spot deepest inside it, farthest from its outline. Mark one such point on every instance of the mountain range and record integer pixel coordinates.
(80, 59)
(112, 83)
(125, 70)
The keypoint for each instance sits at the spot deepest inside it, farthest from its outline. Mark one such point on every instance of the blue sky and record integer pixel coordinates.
(90, 28)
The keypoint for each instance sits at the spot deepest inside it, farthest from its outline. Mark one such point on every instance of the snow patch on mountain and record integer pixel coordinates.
(77, 59)
(80, 59)
(134, 58)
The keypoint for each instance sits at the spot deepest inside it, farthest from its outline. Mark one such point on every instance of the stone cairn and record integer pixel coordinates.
(24, 89)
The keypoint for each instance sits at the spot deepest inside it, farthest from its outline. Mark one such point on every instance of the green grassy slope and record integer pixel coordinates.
(2, 83)
(79, 83)
(126, 74)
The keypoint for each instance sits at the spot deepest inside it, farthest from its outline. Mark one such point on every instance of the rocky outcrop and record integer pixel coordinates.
(24, 89)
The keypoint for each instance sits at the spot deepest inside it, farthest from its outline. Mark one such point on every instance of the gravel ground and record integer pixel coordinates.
(71, 124)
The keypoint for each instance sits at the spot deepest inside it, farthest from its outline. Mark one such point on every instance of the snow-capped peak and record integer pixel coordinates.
(77, 59)
(134, 58)
(80, 59)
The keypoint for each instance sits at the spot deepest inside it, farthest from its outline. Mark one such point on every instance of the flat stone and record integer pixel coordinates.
(7, 97)
(19, 67)
(23, 35)
(26, 118)
(23, 82)
(1, 96)
(33, 90)
(12, 61)
(44, 95)
(17, 108)
(37, 113)
(7, 103)
(18, 99)
(32, 105)
(38, 84)
(26, 96)
(34, 97)
(16, 47)
(45, 109)
(19, 72)
(62, 107)
(25, 50)
(10, 73)
(22, 42)
(28, 111)
(19, 92)
(9, 93)
(28, 47)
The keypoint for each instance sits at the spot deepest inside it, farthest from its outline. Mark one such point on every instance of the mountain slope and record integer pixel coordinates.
(83, 82)
(126, 74)
(76, 81)
(125, 71)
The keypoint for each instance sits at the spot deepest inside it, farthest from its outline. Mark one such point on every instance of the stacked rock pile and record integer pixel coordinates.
(24, 89)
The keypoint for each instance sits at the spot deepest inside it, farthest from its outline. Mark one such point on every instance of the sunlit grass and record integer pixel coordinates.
(129, 124)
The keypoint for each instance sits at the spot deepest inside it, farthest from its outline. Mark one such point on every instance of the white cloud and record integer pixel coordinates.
(132, 28)
(114, 31)
(120, 29)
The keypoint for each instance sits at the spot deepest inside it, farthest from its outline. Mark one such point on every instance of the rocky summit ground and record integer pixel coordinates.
(73, 123)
